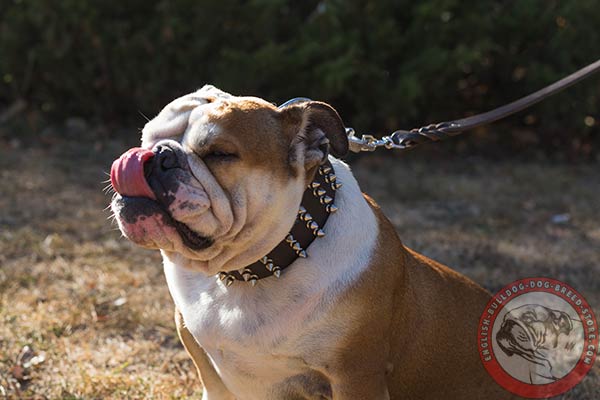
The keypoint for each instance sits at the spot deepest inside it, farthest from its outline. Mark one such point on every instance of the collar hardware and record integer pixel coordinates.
(316, 206)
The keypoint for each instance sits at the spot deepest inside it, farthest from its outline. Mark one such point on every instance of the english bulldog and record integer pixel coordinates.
(288, 282)
(549, 341)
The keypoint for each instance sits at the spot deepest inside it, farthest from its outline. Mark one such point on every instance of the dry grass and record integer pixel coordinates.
(97, 310)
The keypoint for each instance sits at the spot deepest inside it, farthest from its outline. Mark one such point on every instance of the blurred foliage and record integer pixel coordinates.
(384, 64)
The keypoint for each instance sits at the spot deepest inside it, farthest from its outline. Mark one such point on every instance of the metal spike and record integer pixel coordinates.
(330, 178)
(314, 185)
(302, 254)
(324, 170)
(331, 208)
(319, 192)
(335, 185)
(246, 274)
(223, 275)
(230, 280)
(325, 199)
(319, 233)
(301, 210)
(306, 217)
(296, 246)
(312, 225)
(268, 263)
(289, 238)
(253, 280)
(277, 272)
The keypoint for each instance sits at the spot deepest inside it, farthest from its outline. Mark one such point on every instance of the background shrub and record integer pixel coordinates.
(384, 64)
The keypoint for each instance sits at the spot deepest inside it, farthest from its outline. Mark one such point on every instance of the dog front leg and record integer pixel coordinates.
(214, 389)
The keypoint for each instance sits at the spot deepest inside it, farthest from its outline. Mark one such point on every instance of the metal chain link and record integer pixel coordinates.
(400, 139)
(369, 142)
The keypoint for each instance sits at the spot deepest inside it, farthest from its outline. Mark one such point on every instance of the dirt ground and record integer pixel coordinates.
(86, 315)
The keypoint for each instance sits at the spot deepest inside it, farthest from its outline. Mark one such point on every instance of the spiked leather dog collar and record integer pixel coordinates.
(317, 203)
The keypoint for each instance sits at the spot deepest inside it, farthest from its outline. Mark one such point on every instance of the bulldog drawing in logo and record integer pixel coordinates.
(548, 341)
(538, 337)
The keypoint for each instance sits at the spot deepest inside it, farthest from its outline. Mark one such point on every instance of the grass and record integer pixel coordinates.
(96, 312)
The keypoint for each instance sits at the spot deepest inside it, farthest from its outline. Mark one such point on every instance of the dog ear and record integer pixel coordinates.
(316, 130)
(563, 322)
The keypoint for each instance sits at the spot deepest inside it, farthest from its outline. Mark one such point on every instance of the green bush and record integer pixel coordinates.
(384, 64)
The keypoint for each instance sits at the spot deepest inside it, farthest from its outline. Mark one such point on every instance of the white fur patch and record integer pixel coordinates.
(258, 336)
(173, 119)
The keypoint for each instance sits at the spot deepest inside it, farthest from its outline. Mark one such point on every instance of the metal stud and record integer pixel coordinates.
(324, 169)
(319, 192)
(316, 230)
(295, 245)
(312, 225)
(268, 262)
(314, 185)
(306, 217)
(325, 199)
(335, 185)
(330, 178)
(303, 215)
(253, 280)
(247, 274)
(223, 275)
(230, 280)
(277, 272)
(331, 208)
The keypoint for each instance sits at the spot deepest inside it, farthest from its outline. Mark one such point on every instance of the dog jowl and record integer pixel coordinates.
(288, 282)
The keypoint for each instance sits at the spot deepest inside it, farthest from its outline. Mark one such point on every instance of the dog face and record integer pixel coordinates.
(531, 329)
(226, 176)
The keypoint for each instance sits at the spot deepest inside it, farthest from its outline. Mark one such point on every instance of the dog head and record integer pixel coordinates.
(218, 179)
(532, 328)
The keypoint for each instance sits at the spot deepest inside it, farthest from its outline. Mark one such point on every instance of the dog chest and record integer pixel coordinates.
(263, 351)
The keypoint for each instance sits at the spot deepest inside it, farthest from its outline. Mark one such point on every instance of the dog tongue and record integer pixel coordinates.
(127, 173)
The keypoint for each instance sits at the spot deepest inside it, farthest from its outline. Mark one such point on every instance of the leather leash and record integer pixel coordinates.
(320, 194)
(402, 139)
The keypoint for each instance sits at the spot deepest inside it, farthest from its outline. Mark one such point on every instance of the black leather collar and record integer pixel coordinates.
(317, 203)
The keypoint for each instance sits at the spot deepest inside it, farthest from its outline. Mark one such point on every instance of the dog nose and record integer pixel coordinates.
(165, 158)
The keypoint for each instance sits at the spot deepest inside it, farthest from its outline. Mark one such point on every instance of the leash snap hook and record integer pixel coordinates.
(371, 143)
(365, 143)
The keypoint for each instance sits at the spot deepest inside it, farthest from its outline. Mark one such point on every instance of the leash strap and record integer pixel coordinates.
(402, 139)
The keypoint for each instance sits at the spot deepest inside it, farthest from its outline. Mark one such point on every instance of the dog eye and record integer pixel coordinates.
(220, 155)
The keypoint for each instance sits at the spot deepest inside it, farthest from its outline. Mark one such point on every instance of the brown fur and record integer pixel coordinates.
(412, 322)
(422, 318)
(246, 130)
(415, 332)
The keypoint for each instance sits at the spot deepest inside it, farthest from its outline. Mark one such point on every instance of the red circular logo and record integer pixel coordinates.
(538, 337)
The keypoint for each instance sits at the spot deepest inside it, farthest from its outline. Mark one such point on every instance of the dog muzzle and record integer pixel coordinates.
(127, 173)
